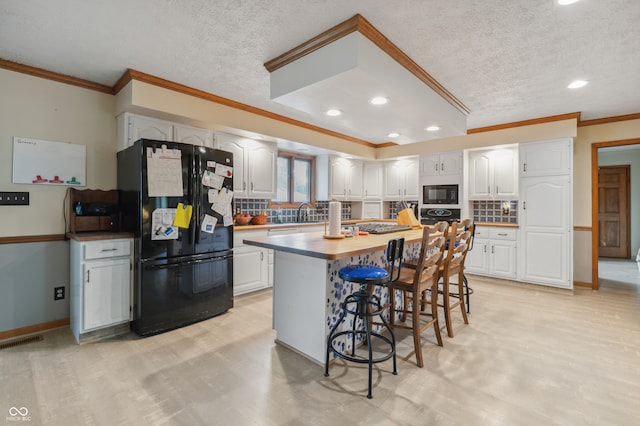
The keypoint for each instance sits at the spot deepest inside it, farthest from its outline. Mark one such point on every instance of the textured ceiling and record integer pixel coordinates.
(506, 61)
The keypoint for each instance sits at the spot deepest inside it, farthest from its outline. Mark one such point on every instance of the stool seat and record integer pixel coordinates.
(364, 274)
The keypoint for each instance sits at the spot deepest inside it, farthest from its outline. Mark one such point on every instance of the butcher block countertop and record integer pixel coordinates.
(314, 244)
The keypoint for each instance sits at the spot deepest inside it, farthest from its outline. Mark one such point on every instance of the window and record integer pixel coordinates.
(295, 179)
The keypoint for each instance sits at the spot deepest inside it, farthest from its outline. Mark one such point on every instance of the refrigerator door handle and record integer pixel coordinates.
(189, 262)
(192, 194)
(198, 196)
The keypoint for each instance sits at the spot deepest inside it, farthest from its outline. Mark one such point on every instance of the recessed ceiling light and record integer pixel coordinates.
(432, 129)
(379, 100)
(566, 2)
(334, 112)
(393, 135)
(577, 84)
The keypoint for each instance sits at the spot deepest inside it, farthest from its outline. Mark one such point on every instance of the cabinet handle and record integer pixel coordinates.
(524, 205)
(492, 249)
(244, 186)
(251, 186)
(437, 165)
(111, 249)
(88, 272)
(488, 190)
(497, 190)
(261, 256)
(524, 167)
(442, 167)
(502, 235)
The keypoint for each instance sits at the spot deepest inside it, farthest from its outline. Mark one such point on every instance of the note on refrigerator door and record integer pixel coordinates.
(222, 170)
(162, 225)
(182, 218)
(164, 172)
(227, 218)
(212, 180)
(222, 202)
(209, 224)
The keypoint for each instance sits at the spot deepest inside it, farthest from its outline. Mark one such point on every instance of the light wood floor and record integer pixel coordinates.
(529, 356)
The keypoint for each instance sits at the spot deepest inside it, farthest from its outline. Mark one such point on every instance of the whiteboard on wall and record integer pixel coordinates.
(49, 163)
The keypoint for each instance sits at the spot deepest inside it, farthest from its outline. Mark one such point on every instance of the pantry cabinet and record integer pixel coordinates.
(493, 174)
(372, 181)
(546, 158)
(401, 179)
(100, 285)
(254, 165)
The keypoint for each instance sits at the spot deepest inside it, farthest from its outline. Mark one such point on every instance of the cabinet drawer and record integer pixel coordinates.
(481, 232)
(502, 234)
(106, 249)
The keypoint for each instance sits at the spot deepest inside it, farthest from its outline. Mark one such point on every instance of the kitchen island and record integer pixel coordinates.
(307, 290)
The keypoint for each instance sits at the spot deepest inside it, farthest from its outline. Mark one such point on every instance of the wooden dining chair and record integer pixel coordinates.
(453, 267)
(419, 286)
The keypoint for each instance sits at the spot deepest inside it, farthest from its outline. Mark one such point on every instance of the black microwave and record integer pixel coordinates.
(440, 194)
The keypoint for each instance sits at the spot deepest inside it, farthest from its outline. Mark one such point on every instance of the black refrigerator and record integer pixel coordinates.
(176, 200)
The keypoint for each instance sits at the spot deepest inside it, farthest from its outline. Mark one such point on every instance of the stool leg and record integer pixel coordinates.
(466, 292)
(368, 334)
(330, 338)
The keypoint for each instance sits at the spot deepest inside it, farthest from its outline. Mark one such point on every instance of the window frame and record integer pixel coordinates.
(292, 156)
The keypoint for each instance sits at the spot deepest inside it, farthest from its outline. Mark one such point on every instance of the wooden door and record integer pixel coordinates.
(613, 211)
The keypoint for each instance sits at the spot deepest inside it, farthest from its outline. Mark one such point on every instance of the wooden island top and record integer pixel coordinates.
(315, 245)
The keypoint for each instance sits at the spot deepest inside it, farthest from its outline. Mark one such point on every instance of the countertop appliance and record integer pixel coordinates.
(181, 275)
(440, 194)
(429, 216)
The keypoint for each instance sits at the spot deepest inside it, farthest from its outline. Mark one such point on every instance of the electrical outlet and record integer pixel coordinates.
(58, 293)
(14, 198)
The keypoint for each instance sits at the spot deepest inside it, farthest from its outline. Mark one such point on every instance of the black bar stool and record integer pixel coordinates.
(364, 305)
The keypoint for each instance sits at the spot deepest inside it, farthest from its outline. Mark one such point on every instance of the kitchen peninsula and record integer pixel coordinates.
(307, 290)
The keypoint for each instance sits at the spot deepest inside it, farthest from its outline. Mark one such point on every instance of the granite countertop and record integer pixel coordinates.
(314, 244)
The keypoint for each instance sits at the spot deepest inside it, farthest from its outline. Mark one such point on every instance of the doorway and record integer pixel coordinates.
(613, 218)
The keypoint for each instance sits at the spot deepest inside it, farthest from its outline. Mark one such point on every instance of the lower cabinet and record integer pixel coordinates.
(100, 287)
(493, 253)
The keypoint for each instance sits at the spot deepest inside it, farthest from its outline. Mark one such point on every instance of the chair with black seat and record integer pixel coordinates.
(419, 286)
(453, 266)
(364, 305)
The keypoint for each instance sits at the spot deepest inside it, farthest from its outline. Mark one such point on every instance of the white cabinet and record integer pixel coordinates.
(546, 158)
(493, 253)
(338, 178)
(442, 164)
(372, 181)
(254, 165)
(100, 285)
(132, 127)
(546, 231)
(401, 179)
(250, 263)
(493, 174)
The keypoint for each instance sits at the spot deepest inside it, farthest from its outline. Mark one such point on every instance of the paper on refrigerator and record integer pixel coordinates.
(164, 172)
(162, 225)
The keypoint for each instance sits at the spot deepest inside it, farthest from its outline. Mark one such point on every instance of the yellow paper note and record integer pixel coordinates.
(183, 215)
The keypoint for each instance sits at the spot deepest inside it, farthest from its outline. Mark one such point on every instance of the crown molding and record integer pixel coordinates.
(606, 120)
(540, 120)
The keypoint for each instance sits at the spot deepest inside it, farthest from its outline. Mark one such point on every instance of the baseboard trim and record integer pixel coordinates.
(36, 328)
(581, 284)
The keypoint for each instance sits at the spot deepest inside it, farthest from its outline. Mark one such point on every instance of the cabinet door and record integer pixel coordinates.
(430, 165)
(411, 178)
(193, 136)
(372, 181)
(250, 269)
(504, 163)
(477, 261)
(354, 189)
(479, 183)
(239, 150)
(338, 172)
(546, 158)
(148, 128)
(451, 163)
(546, 231)
(502, 260)
(106, 293)
(262, 169)
(393, 181)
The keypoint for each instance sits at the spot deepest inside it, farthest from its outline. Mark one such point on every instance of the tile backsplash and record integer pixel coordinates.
(319, 213)
(395, 207)
(495, 211)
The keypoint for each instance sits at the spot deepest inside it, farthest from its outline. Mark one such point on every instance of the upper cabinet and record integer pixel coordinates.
(338, 178)
(442, 164)
(493, 174)
(132, 127)
(401, 179)
(254, 165)
(546, 158)
(372, 180)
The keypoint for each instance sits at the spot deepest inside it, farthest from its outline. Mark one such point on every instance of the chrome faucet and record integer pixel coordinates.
(303, 216)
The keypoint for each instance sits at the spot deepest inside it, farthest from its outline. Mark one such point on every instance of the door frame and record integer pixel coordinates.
(594, 202)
